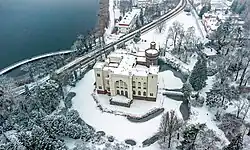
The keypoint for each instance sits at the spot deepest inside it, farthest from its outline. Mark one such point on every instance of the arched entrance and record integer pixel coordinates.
(121, 88)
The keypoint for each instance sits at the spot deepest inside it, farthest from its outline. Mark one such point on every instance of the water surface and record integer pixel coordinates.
(32, 27)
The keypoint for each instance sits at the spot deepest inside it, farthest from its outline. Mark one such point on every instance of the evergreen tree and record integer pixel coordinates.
(141, 17)
(203, 11)
(234, 6)
(186, 90)
(241, 8)
(198, 76)
(48, 95)
(235, 144)
(190, 136)
(137, 24)
(137, 37)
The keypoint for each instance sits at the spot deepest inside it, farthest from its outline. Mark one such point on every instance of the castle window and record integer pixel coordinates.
(133, 92)
(139, 92)
(144, 85)
(98, 74)
(139, 83)
(144, 93)
(151, 94)
(118, 92)
(100, 87)
(126, 93)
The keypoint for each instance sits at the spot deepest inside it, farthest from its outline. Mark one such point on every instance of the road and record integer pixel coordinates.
(93, 55)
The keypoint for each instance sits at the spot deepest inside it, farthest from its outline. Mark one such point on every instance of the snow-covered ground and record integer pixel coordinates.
(112, 17)
(160, 38)
(119, 126)
(167, 79)
(203, 115)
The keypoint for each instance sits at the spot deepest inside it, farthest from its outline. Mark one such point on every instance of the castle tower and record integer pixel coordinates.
(152, 55)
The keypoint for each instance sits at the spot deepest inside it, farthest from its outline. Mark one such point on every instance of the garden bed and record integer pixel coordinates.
(131, 117)
(149, 115)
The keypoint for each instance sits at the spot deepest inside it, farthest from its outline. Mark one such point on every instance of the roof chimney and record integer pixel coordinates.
(152, 45)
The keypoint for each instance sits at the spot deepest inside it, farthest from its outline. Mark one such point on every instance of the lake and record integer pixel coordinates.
(33, 27)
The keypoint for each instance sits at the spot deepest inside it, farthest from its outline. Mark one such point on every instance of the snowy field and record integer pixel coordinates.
(119, 126)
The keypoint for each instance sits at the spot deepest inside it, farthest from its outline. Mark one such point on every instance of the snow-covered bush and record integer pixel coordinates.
(231, 126)
(197, 100)
(150, 140)
(149, 115)
(199, 137)
(198, 76)
(68, 99)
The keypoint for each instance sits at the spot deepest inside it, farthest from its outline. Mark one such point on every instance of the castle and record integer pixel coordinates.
(130, 74)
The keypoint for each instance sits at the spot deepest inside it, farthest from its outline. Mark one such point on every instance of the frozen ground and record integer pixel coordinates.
(119, 126)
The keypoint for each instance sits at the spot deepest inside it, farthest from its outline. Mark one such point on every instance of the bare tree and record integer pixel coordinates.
(175, 31)
(169, 126)
(246, 109)
(240, 105)
(161, 27)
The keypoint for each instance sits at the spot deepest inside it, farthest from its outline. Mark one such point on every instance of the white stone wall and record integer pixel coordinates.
(152, 85)
(123, 78)
(99, 79)
(140, 86)
(106, 81)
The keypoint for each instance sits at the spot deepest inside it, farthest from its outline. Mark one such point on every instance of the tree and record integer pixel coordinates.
(231, 126)
(246, 109)
(234, 5)
(190, 135)
(161, 27)
(222, 36)
(207, 140)
(48, 95)
(221, 94)
(169, 126)
(137, 37)
(198, 76)
(28, 68)
(7, 96)
(175, 31)
(187, 90)
(203, 11)
(38, 139)
(141, 17)
(236, 143)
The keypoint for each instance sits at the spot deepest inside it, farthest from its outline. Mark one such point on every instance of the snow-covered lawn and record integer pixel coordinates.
(119, 126)
(160, 38)
(166, 79)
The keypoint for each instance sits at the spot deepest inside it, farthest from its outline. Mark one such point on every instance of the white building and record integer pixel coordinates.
(129, 74)
(128, 21)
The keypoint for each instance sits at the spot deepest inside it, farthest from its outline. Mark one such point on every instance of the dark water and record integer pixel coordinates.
(33, 27)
